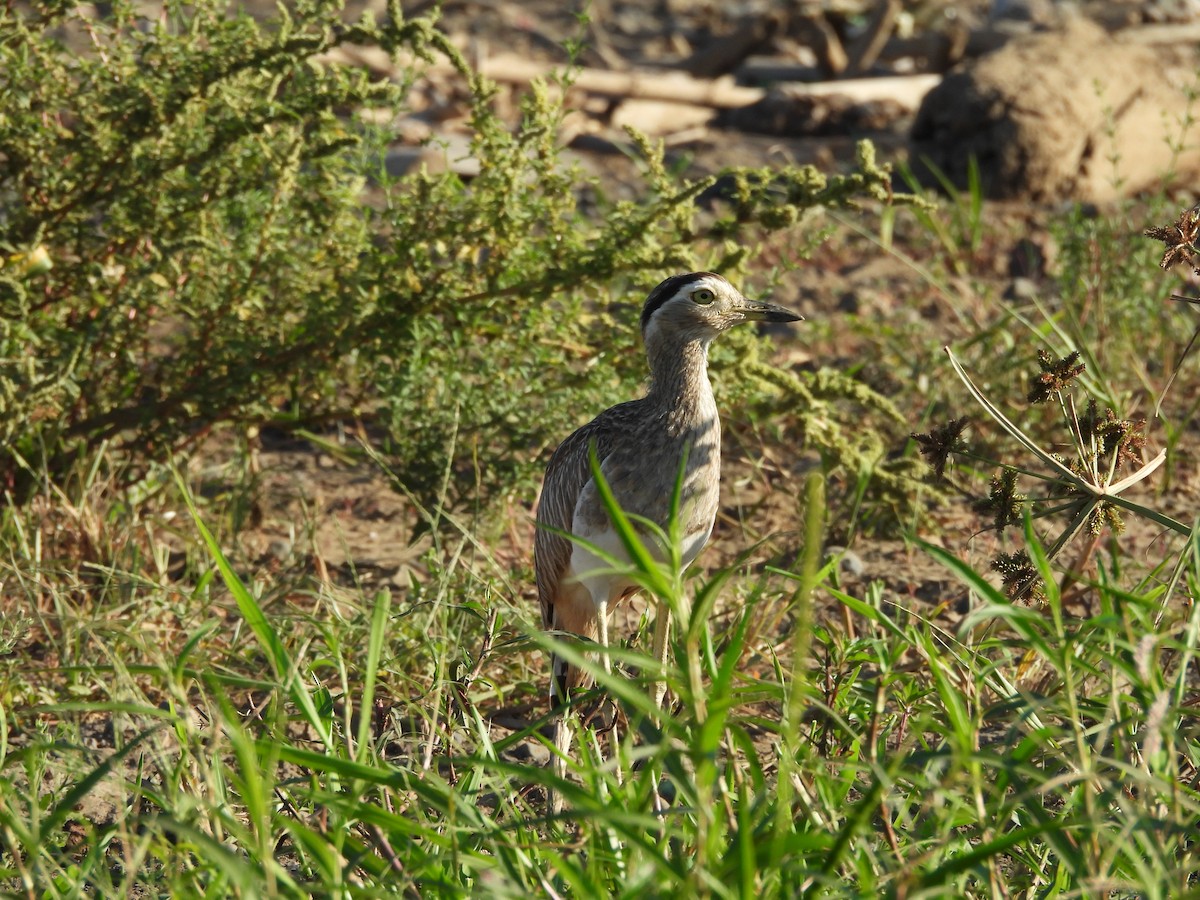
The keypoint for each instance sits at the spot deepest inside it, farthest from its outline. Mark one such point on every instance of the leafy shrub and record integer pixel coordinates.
(200, 184)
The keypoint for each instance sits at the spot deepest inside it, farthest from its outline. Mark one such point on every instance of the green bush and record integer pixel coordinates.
(227, 249)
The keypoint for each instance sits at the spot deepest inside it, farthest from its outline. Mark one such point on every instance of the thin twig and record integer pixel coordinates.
(1182, 357)
(489, 635)
(388, 853)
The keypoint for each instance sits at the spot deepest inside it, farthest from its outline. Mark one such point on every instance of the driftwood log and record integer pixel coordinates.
(722, 93)
(1071, 113)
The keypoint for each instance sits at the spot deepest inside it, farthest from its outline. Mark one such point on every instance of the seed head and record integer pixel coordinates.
(1003, 501)
(1056, 375)
(1018, 574)
(1180, 239)
(940, 442)
(1123, 437)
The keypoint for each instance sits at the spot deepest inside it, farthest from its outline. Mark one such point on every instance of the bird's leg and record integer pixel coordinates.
(662, 631)
(614, 739)
(562, 746)
(560, 729)
(602, 628)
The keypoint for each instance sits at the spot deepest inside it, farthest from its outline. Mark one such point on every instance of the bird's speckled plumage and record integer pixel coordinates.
(639, 445)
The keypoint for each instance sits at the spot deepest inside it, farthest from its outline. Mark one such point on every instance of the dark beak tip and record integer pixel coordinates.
(784, 315)
(769, 312)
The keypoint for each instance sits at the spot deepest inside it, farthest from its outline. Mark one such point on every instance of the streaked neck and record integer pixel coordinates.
(679, 382)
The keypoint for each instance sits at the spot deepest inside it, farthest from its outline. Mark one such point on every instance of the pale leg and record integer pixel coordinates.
(562, 746)
(602, 628)
(614, 743)
(662, 631)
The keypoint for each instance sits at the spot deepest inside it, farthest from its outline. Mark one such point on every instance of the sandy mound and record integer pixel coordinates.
(1071, 113)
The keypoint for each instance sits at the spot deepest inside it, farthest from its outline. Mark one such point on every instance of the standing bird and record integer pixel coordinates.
(639, 446)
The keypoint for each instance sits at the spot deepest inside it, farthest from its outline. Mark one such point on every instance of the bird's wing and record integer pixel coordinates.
(567, 473)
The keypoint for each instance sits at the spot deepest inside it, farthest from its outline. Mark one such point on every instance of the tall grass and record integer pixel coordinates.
(1017, 751)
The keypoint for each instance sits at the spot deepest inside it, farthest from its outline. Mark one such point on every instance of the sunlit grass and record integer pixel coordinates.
(344, 745)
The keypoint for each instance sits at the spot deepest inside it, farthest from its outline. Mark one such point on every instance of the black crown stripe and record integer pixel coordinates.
(668, 289)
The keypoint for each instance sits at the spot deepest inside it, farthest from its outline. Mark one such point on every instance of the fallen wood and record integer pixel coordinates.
(907, 90)
(658, 118)
(866, 49)
(723, 54)
(667, 86)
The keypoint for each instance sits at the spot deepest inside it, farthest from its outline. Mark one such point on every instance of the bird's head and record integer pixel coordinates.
(701, 305)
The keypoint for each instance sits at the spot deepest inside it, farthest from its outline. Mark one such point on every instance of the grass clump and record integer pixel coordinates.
(1018, 751)
(1084, 486)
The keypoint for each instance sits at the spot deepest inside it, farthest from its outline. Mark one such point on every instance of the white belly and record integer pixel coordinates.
(603, 566)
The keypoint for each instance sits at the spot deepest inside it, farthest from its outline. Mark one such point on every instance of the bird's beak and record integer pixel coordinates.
(757, 311)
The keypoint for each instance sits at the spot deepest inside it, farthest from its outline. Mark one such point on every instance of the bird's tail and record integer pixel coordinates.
(565, 679)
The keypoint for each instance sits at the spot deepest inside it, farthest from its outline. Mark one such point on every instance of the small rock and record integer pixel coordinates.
(280, 549)
(1021, 289)
(848, 561)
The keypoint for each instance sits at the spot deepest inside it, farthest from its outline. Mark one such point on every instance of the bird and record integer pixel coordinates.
(639, 446)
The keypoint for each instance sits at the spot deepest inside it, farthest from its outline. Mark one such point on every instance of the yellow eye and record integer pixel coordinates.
(704, 295)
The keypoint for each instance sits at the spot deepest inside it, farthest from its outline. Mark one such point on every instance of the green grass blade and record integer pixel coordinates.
(379, 622)
(638, 553)
(268, 638)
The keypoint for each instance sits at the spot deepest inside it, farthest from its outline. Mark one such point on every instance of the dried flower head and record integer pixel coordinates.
(1056, 375)
(1003, 502)
(940, 442)
(1122, 438)
(1106, 515)
(1018, 574)
(1180, 239)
